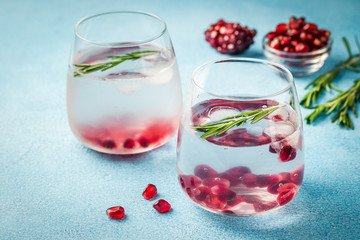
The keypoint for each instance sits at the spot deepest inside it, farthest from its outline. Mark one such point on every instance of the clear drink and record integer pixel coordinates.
(132, 106)
(248, 169)
(240, 144)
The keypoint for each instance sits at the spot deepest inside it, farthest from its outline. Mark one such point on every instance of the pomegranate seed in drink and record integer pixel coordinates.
(162, 206)
(150, 192)
(116, 212)
(205, 171)
(242, 184)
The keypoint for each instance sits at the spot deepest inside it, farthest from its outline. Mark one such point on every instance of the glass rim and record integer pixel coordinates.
(249, 60)
(84, 19)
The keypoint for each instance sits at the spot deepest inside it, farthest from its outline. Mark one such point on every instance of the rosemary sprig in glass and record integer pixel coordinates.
(343, 103)
(85, 69)
(325, 81)
(225, 124)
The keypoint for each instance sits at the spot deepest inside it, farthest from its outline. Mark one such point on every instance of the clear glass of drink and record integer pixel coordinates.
(240, 145)
(123, 87)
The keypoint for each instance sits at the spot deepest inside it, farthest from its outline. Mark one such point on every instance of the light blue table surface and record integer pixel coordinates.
(52, 187)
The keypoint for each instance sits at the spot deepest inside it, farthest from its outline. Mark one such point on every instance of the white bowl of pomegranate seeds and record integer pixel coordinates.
(299, 45)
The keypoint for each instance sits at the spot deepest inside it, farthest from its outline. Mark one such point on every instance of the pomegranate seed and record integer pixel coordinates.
(310, 26)
(129, 143)
(189, 181)
(235, 201)
(116, 212)
(210, 182)
(162, 206)
(150, 192)
(302, 48)
(273, 189)
(281, 28)
(267, 180)
(287, 153)
(201, 192)
(223, 192)
(271, 35)
(108, 144)
(215, 201)
(303, 36)
(286, 193)
(272, 149)
(261, 207)
(296, 176)
(251, 199)
(249, 180)
(285, 176)
(233, 180)
(229, 38)
(238, 171)
(205, 171)
(143, 142)
(189, 192)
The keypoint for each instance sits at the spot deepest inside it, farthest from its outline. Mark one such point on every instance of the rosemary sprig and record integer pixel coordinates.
(225, 124)
(325, 81)
(85, 69)
(343, 103)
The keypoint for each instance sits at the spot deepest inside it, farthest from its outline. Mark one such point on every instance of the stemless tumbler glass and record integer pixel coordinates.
(251, 167)
(123, 87)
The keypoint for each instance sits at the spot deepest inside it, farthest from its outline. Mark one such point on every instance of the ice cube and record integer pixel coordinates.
(279, 130)
(161, 77)
(216, 114)
(280, 114)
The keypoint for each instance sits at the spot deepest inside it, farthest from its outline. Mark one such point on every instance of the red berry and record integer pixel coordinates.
(116, 212)
(229, 38)
(150, 192)
(267, 180)
(129, 143)
(162, 206)
(205, 171)
(287, 153)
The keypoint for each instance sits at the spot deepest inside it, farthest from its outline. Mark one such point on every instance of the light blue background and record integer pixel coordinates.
(51, 187)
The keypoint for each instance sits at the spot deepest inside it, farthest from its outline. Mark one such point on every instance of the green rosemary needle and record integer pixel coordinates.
(225, 124)
(325, 81)
(85, 69)
(343, 103)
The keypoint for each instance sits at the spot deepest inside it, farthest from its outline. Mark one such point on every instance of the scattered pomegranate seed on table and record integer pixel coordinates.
(162, 206)
(298, 36)
(229, 38)
(150, 192)
(117, 212)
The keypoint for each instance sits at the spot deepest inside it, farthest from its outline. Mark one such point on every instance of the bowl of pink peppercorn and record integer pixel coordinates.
(299, 45)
